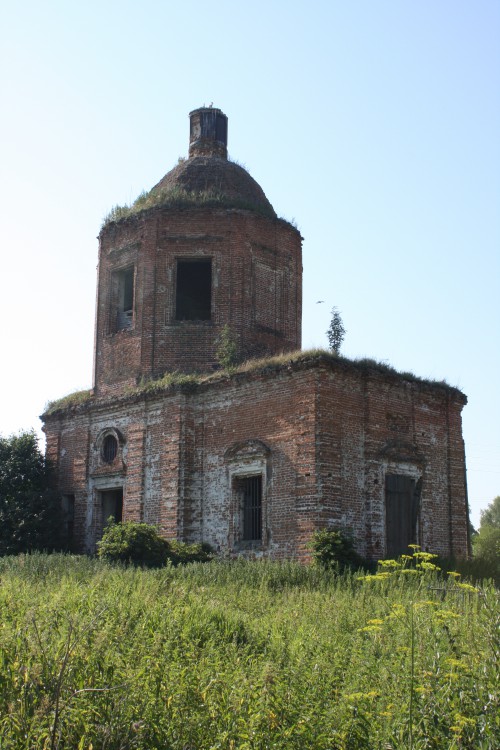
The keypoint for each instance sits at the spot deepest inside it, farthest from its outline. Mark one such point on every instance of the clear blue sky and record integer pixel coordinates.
(374, 124)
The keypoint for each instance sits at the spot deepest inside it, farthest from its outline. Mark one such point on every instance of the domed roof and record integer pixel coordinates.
(206, 178)
(215, 177)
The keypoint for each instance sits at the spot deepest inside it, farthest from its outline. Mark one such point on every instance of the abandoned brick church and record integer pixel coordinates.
(252, 460)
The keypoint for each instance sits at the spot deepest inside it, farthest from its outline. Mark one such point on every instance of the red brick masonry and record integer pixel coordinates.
(256, 462)
(256, 289)
(322, 432)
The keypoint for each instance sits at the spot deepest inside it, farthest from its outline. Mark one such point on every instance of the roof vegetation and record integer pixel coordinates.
(177, 197)
(186, 382)
(364, 364)
(72, 399)
(169, 380)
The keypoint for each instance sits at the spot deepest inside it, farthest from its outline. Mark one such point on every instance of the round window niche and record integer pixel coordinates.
(109, 449)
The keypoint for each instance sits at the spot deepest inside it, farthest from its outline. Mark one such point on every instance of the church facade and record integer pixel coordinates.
(254, 459)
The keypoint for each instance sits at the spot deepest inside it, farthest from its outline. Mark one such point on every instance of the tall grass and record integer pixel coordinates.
(243, 655)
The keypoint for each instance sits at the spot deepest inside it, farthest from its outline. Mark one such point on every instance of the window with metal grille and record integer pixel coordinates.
(109, 449)
(250, 490)
(193, 298)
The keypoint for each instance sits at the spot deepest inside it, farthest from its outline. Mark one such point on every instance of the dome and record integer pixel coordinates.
(214, 177)
(206, 178)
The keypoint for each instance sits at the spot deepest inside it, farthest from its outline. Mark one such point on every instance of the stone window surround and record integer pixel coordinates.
(246, 460)
(401, 468)
(98, 457)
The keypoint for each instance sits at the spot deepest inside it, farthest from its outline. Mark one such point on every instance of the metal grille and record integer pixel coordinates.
(109, 449)
(251, 490)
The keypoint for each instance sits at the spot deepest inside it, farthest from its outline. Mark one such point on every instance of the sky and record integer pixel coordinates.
(373, 124)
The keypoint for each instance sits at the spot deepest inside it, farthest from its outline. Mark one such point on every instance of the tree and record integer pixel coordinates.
(336, 331)
(486, 543)
(30, 510)
(491, 515)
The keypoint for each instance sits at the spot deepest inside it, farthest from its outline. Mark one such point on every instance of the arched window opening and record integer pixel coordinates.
(109, 449)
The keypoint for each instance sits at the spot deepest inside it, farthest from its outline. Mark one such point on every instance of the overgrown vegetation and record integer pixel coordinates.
(182, 553)
(177, 197)
(363, 364)
(141, 544)
(247, 656)
(30, 510)
(133, 543)
(169, 380)
(72, 399)
(485, 562)
(332, 549)
(265, 364)
(227, 350)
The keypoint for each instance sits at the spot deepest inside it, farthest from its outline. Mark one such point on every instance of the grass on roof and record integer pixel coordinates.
(169, 380)
(184, 381)
(72, 399)
(179, 198)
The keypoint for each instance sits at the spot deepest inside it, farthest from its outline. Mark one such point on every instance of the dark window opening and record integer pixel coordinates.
(112, 505)
(250, 491)
(109, 449)
(193, 299)
(124, 305)
(221, 129)
(402, 502)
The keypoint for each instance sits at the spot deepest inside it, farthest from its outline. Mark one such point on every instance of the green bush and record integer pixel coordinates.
(181, 552)
(134, 543)
(333, 549)
(141, 544)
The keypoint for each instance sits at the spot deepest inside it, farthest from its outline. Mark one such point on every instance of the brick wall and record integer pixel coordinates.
(256, 290)
(377, 424)
(322, 434)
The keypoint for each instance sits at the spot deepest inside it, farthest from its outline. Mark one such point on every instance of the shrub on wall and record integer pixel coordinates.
(227, 349)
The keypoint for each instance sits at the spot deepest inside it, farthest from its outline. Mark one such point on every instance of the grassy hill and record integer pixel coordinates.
(241, 655)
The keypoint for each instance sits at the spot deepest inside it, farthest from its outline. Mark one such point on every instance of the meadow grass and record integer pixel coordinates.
(242, 656)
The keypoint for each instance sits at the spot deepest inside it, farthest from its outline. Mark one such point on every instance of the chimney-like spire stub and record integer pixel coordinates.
(208, 133)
